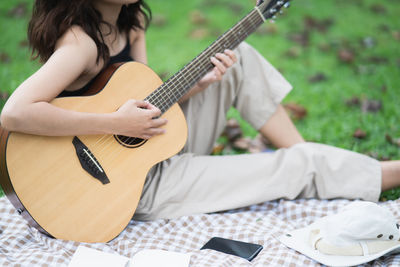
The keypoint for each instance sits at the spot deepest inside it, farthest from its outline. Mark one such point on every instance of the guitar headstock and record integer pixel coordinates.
(269, 8)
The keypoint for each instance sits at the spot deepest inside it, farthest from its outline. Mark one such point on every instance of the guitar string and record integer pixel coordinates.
(191, 68)
(232, 39)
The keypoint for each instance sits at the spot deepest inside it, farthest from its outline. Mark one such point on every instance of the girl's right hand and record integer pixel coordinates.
(137, 118)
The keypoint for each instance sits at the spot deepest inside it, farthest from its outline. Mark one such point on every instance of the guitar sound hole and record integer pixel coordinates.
(130, 142)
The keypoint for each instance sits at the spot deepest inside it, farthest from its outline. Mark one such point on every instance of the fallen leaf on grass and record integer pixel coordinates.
(199, 34)
(318, 77)
(23, 43)
(238, 143)
(371, 105)
(197, 17)
(321, 25)
(302, 38)
(247, 144)
(295, 110)
(258, 144)
(4, 95)
(217, 149)
(384, 158)
(242, 143)
(233, 130)
(232, 123)
(378, 9)
(4, 58)
(391, 140)
(359, 134)
(346, 55)
(367, 105)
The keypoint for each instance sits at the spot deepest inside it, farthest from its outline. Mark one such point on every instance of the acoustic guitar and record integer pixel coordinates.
(86, 188)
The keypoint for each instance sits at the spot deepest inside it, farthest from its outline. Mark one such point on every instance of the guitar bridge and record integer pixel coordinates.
(89, 162)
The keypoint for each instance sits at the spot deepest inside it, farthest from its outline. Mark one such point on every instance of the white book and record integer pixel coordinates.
(88, 257)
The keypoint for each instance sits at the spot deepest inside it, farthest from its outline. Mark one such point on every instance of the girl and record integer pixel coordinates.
(77, 39)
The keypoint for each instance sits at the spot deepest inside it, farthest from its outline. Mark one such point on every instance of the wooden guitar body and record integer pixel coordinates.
(44, 179)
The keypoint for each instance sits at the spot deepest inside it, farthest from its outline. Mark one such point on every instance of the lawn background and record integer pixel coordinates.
(353, 45)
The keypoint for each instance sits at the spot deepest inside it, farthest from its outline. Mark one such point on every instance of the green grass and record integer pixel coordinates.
(329, 119)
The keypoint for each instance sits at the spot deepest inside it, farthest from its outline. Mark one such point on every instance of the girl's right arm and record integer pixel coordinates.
(28, 109)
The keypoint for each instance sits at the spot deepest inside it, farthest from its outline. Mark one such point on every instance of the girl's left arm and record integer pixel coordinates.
(222, 62)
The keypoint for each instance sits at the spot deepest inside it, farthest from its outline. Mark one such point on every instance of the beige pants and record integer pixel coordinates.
(194, 182)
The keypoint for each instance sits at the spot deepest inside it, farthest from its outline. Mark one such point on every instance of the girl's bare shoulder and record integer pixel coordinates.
(78, 41)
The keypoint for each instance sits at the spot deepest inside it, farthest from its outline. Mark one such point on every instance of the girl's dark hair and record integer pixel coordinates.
(51, 19)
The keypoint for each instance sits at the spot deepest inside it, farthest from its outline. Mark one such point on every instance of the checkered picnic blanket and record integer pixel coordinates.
(21, 245)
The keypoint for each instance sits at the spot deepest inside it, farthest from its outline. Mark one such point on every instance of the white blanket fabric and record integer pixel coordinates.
(21, 245)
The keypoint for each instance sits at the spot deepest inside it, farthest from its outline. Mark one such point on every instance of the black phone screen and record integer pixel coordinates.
(245, 250)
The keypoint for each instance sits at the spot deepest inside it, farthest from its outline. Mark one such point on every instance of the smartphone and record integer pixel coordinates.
(245, 250)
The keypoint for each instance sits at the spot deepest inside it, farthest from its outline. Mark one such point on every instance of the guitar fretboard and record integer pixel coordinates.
(179, 84)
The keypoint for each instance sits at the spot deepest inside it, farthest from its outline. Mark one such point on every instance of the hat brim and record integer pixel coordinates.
(298, 240)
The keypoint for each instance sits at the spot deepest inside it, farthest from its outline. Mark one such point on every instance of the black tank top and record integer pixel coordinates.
(122, 56)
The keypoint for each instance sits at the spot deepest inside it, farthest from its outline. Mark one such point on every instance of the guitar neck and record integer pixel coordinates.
(180, 83)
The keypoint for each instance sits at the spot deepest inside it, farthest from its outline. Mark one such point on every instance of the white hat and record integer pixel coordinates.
(361, 232)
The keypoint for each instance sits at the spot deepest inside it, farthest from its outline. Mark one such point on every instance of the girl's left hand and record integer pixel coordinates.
(222, 62)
